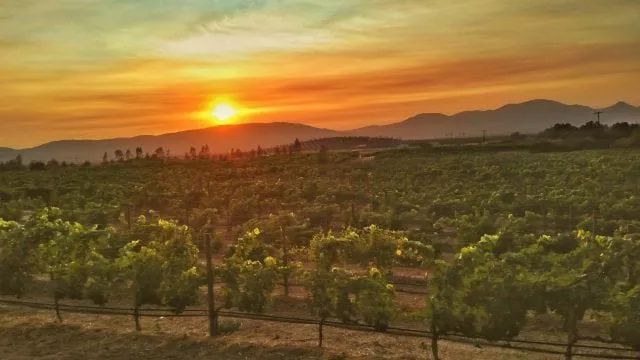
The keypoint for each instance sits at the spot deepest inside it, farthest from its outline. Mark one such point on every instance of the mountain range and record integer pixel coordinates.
(528, 117)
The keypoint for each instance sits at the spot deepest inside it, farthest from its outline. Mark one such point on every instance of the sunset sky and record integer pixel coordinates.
(107, 68)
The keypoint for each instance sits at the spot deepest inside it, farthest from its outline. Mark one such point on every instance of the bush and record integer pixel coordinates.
(228, 327)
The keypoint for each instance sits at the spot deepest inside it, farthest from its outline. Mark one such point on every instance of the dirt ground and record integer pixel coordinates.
(31, 333)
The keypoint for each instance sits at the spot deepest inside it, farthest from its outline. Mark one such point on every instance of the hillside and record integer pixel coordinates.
(351, 143)
(528, 117)
(219, 139)
(7, 153)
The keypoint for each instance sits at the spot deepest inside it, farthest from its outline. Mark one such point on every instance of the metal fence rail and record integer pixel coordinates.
(458, 338)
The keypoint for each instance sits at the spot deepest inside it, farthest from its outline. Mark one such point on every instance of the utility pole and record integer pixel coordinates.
(598, 114)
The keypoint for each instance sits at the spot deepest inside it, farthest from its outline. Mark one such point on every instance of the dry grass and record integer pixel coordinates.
(28, 334)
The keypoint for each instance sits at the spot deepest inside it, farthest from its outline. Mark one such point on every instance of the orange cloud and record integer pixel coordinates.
(72, 70)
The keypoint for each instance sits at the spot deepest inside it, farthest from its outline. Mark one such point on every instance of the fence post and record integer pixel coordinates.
(213, 314)
(434, 331)
(57, 306)
(136, 316)
(320, 323)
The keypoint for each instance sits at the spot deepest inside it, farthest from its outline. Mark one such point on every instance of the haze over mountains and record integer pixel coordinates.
(528, 117)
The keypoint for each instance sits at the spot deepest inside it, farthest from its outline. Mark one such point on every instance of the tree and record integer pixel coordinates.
(443, 306)
(385, 248)
(497, 292)
(139, 153)
(327, 296)
(119, 155)
(559, 130)
(15, 164)
(160, 266)
(323, 155)
(159, 153)
(128, 155)
(205, 153)
(105, 158)
(625, 323)
(280, 234)
(370, 296)
(249, 275)
(576, 284)
(37, 166)
(593, 126)
(327, 287)
(287, 224)
(374, 299)
(190, 201)
(74, 259)
(297, 146)
(485, 292)
(18, 261)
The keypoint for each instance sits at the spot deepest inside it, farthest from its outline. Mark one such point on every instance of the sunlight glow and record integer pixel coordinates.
(223, 112)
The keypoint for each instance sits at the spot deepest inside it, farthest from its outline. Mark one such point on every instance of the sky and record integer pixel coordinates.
(72, 69)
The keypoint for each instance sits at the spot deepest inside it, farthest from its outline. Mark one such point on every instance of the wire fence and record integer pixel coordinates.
(514, 344)
(396, 284)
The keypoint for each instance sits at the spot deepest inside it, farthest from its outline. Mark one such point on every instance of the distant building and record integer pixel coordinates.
(362, 157)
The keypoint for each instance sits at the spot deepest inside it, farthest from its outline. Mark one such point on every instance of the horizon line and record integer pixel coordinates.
(316, 127)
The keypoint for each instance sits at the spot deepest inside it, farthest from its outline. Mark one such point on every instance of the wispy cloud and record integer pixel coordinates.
(147, 65)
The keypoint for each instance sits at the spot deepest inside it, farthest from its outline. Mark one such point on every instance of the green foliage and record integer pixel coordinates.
(161, 267)
(374, 299)
(74, 260)
(328, 294)
(445, 309)
(498, 293)
(334, 292)
(18, 264)
(248, 282)
(228, 327)
(625, 325)
(512, 224)
(326, 249)
(369, 246)
(141, 268)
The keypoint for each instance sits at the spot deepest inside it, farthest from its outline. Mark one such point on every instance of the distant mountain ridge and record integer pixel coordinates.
(527, 117)
(219, 139)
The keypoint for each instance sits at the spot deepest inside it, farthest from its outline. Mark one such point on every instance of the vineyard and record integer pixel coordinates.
(469, 246)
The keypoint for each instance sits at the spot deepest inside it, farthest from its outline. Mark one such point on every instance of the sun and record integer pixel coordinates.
(223, 112)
